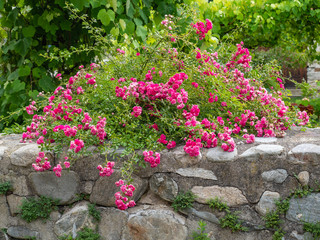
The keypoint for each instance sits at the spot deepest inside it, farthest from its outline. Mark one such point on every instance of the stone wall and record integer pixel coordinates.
(248, 180)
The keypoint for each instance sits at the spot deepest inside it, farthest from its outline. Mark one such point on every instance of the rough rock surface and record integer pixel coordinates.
(263, 151)
(105, 188)
(197, 172)
(74, 220)
(305, 209)
(164, 186)
(112, 223)
(15, 202)
(303, 178)
(25, 156)
(267, 202)
(21, 232)
(277, 175)
(305, 153)
(48, 184)
(230, 195)
(157, 224)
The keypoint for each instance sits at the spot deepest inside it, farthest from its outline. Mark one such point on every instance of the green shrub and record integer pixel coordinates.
(5, 187)
(272, 219)
(183, 201)
(313, 228)
(37, 207)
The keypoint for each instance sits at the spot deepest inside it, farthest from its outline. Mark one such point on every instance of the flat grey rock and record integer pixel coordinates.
(267, 202)
(305, 209)
(22, 232)
(263, 150)
(48, 184)
(277, 175)
(197, 172)
(25, 156)
(218, 155)
(306, 153)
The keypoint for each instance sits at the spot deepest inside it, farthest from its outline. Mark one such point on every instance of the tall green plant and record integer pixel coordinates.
(30, 29)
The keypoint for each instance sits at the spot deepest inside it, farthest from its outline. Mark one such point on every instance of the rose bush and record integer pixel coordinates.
(169, 92)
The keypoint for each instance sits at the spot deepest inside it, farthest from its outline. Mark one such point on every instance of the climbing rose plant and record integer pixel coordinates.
(166, 93)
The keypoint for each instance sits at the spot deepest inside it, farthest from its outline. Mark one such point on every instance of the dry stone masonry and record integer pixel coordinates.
(248, 180)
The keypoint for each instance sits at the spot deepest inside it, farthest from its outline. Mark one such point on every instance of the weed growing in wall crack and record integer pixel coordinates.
(201, 235)
(183, 201)
(34, 208)
(84, 234)
(313, 228)
(94, 212)
(5, 187)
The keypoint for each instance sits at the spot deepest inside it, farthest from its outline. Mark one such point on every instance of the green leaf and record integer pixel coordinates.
(114, 31)
(1, 5)
(138, 21)
(29, 31)
(97, 3)
(141, 32)
(122, 24)
(46, 84)
(104, 17)
(111, 15)
(21, 47)
(114, 4)
(80, 4)
(17, 86)
(38, 72)
(130, 27)
(129, 9)
(33, 94)
(24, 71)
(12, 17)
(143, 16)
(13, 75)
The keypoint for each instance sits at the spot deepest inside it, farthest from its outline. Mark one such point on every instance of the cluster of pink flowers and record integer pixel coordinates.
(193, 147)
(152, 158)
(107, 170)
(167, 22)
(202, 28)
(303, 116)
(123, 202)
(249, 138)
(170, 144)
(42, 163)
(31, 108)
(137, 110)
(77, 145)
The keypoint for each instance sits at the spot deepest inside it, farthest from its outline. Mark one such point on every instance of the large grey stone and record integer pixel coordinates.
(305, 209)
(20, 186)
(105, 188)
(22, 232)
(196, 172)
(218, 155)
(74, 220)
(306, 153)
(112, 223)
(277, 175)
(48, 184)
(25, 156)
(230, 195)
(4, 212)
(157, 224)
(263, 151)
(164, 186)
(267, 202)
